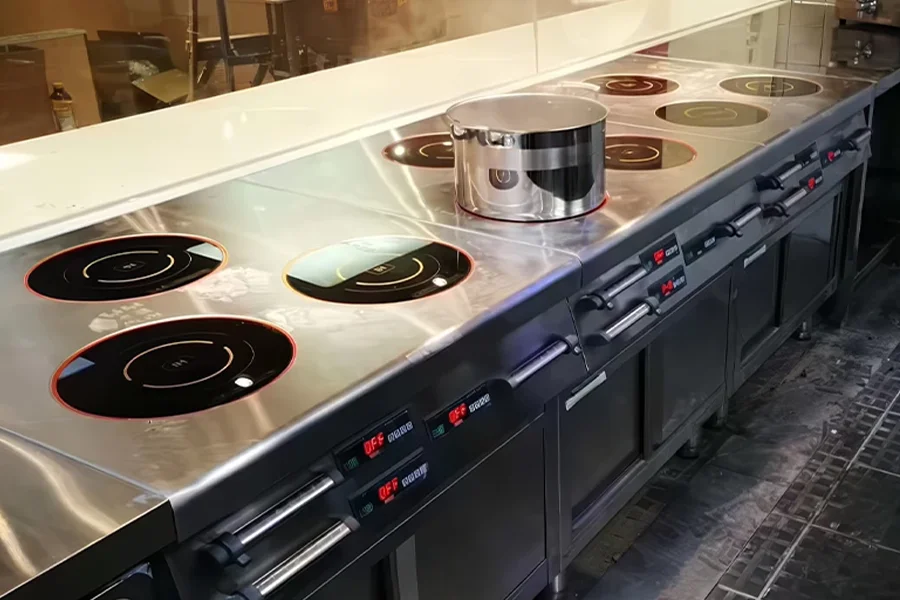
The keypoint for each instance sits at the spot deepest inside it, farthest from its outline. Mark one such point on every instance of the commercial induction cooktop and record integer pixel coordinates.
(293, 305)
(727, 101)
(645, 169)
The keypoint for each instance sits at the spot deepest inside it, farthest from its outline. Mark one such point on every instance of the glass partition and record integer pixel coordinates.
(118, 58)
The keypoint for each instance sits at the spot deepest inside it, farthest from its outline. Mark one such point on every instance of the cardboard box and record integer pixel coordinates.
(25, 110)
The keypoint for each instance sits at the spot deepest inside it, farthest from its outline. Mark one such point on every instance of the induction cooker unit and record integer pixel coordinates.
(755, 105)
(643, 206)
(664, 238)
(222, 396)
(743, 103)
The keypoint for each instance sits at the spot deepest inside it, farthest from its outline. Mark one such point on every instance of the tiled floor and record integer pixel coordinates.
(797, 498)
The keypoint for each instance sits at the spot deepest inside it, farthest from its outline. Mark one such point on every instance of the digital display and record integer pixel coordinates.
(459, 412)
(661, 253)
(374, 442)
(389, 488)
(700, 245)
(668, 285)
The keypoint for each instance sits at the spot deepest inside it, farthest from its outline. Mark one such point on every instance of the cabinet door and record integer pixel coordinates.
(686, 364)
(486, 534)
(756, 305)
(600, 437)
(808, 262)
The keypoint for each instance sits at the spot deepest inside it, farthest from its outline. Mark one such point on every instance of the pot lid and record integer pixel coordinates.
(526, 113)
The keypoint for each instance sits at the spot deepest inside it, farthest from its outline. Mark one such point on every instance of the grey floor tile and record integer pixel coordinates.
(808, 491)
(880, 391)
(865, 505)
(827, 566)
(793, 411)
(754, 566)
(693, 541)
(882, 451)
(776, 461)
(721, 593)
(845, 434)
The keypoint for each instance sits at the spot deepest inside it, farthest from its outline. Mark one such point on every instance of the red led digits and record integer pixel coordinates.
(811, 184)
(659, 256)
(458, 414)
(386, 492)
(373, 445)
(668, 287)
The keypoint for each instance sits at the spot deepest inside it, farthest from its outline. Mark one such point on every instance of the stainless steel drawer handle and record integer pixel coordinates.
(744, 219)
(794, 198)
(733, 228)
(646, 307)
(781, 207)
(581, 394)
(858, 139)
(230, 548)
(269, 583)
(778, 180)
(604, 299)
(543, 359)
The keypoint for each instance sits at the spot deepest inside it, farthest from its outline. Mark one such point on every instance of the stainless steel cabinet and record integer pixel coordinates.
(808, 260)
(601, 434)
(780, 282)
(756, 298)
(486, 534)
(686, 365)
(621, 425)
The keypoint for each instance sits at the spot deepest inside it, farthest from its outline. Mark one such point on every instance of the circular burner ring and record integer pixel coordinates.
(427, 150)
(173, 367)
(632, 85)
(125, 267)
(712, 113)
(770, 86)
(378, 270)
(644, 153)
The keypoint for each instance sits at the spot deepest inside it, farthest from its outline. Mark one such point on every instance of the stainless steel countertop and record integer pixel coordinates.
(340, 347)
(53, 507)
(358, 173)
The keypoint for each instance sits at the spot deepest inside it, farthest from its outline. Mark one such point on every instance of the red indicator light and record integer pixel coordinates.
(831, 156)
(811, 184)
(386, 492)
(667, 288)
(458, 415)
(659, 256)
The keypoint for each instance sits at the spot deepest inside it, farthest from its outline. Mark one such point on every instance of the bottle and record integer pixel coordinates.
(63, 107)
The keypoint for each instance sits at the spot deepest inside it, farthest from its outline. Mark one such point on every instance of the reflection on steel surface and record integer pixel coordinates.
(53, 507)
(339, 346)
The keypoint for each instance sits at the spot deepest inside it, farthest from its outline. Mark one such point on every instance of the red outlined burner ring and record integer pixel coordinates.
(91, 382)
(67, 276)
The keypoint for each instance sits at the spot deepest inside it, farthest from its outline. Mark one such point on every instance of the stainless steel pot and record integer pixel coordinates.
(532, 156)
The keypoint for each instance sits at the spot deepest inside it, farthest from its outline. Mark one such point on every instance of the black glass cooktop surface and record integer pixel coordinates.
(125, 267)
(632, 85)
(643, 153)
(433, 150)
(172, 368)
(378, 270)
(712, 113)
(766, 86)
